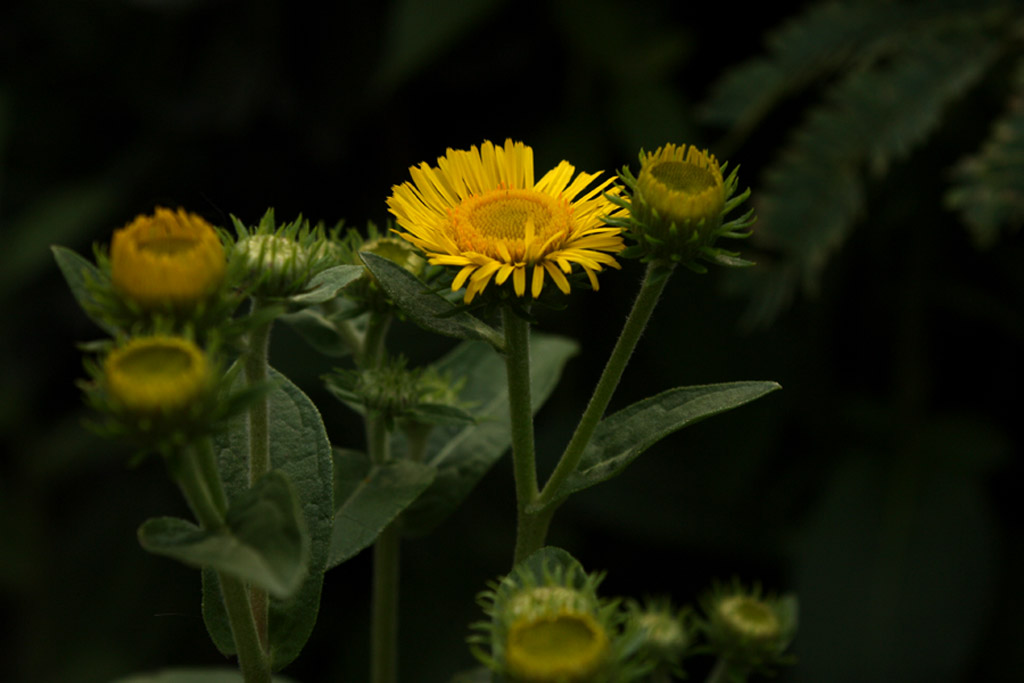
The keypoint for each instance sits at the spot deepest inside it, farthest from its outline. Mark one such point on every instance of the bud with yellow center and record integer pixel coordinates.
(677, 206)
(548, 625)
(747, 630)
(568, 647)
(170, 260)
(157, 376)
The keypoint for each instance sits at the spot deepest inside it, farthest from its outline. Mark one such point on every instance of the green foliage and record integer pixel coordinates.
(78, 272)
(426, 308)
(463, 454)
(990, 190)
(299, 448)
(369, 497)
(265, 540)
(620, 438)
(895, 69)
(193, 676)
(326, 285)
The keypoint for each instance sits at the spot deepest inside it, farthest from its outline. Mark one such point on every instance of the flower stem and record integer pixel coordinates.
(386, 569)
(517, 370)
(654, 282)
(256, 372)
(204, 493)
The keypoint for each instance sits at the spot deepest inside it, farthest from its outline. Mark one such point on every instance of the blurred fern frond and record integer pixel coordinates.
(889, 71)
(990, 185)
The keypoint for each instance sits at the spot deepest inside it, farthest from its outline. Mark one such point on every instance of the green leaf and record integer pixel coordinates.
(265, 541)
(318, 332)
(194, 676)
(371, 496)
(299, 448)
(620, 438)
(77, 271)
(463, 454)
(326, 284)
(426, 308)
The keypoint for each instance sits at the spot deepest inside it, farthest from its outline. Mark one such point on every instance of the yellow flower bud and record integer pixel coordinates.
(159, 375)
(171, 259)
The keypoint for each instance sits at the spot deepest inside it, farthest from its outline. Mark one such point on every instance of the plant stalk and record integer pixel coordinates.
(651, 288)
(517, 370)
(256, 372)
(204, 492)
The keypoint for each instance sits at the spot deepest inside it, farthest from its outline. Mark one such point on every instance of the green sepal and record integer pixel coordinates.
(427, 308)
(265, 540)
(194, 676)
(369, 497)
(462, 454)
(622, 437)
(78, 272)
(299, 447)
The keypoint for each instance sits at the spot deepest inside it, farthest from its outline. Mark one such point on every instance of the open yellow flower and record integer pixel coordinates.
(171, 259)
(481, 210)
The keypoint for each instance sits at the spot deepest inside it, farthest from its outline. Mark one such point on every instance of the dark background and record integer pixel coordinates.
(879, 485)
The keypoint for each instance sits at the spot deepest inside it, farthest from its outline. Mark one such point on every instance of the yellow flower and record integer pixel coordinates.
(157, 375)
(680, 194)
(566, 647)
(170, 259)
(480, 210)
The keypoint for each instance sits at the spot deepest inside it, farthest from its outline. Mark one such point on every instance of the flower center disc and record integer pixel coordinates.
(155, 362)
(511, 217)
(160, 244)
(683, 177)
(567, 647)
(751, 617)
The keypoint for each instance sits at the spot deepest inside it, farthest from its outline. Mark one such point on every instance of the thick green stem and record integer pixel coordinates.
(256, 372)
(204, 491)
(384, 620)
(384, 609)
(517, 370)
(655, 278)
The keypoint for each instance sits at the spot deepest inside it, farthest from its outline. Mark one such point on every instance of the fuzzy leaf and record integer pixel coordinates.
(371, 496)
(77, 271)
(463, 454)
(326, 284)
(426, 308)
(318, 332)
(298, 447)
(265, 541)
(622, 437)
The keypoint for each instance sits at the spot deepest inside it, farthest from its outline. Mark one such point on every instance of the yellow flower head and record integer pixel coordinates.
(158, 375)
(565, 648)
(480, 210)
(680, 194)
(171, 259)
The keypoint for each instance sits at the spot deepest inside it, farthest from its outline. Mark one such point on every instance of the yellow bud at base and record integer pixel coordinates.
(152, 376)
(563, 648)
